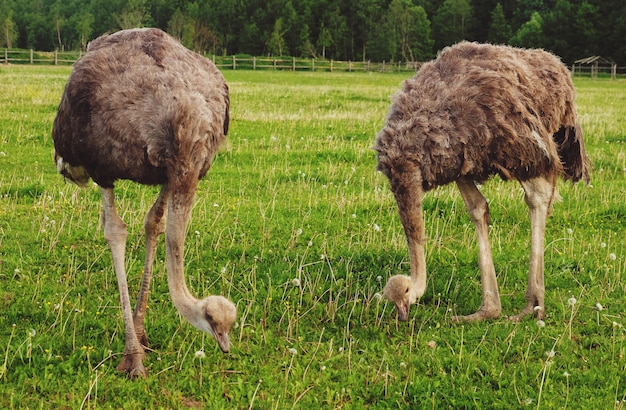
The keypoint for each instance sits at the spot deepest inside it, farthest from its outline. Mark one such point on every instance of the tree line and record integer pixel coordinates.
(376, 30)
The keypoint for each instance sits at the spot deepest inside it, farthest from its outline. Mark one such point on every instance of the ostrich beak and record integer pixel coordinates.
(223, 340)
(403, 311)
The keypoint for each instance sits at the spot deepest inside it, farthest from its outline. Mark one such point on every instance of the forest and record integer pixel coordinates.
(355, 30)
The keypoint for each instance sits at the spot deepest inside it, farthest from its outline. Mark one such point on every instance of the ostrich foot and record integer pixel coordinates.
(530, 309)
(482, 314)
(132, 363)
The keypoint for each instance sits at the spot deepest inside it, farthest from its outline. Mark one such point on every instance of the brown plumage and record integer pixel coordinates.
(140, 106)
(480, 110)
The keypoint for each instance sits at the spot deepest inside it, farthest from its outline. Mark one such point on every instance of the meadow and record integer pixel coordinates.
(295, 226)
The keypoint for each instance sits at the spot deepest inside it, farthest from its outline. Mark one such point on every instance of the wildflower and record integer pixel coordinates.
(322, 368)
(310, 243)
(32, 332)
(376, 227)
(571, 301)
(566, 374)
(299, 231)
(293, 351)
(223, 269)
(200, 354)
(379, 278)
(295, 282)
(551, 354)
(432, 344)
(570, 231)
(612, 256)
(599, 306)
(603, 245)
(402, 364)
(216, 205)
(541, 323)
(197, 233)
(353, 216)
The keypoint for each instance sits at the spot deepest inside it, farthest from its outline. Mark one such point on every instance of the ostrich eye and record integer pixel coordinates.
(407, 290)
(209, 318)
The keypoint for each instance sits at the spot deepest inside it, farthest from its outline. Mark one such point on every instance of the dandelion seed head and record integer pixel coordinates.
(32, 332)
(402, 364)
(322, 368)
(571, 301)
(299, 231)
(379, 278)
(310, 243)
(603, 245)
(293, 351)
(570, 231)
(295, 282)
(541, 323)
(599, 306)
(566, 374)
(378, 296)
(551, 354)
(432, 344)
(612, 256)
(200, 354)
(537, 309)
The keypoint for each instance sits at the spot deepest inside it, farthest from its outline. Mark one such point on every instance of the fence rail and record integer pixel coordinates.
(19, 56)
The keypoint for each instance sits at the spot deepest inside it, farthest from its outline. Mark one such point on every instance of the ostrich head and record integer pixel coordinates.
(400, 290)
(215, 315)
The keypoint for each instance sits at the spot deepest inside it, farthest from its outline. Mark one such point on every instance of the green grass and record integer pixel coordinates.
(294, 195)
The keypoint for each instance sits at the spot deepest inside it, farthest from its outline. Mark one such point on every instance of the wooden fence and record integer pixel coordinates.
(12, 56)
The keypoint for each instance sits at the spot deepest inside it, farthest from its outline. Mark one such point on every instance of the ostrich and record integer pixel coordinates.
(480, 110)
(140, 106)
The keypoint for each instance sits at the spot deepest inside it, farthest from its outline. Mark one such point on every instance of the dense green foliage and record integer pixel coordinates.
(296, 227)
(376, 30)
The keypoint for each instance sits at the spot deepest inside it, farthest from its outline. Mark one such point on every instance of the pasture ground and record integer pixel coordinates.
(294, 225)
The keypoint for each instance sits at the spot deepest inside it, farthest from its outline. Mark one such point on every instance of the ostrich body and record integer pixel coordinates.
(140, 106)
(480, 110)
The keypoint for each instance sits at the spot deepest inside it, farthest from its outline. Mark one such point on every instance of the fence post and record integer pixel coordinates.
(31, 55)
(6, 56)
(274, 63)
(253, 63)
(331, 65)
(313, 64)
(613, 71)
(234, 63)
(56, 57)
(293, 64)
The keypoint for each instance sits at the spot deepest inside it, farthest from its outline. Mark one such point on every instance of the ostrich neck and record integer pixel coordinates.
(185, 302)
(418, 265)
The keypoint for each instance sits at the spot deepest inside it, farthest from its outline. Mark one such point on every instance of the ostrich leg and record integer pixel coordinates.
(115, 234)
(154, 226)
(539, 195)
(479, 212)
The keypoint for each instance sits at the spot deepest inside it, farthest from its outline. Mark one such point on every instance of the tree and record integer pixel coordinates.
(499, 30)
(85, 29)
(324, 40)
(276, 42)
(9, 29)
(452, 22)
(410, 30)
(530, 35)
(132, 15)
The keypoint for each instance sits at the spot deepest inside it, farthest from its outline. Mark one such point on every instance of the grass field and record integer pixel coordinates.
(294, 225)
